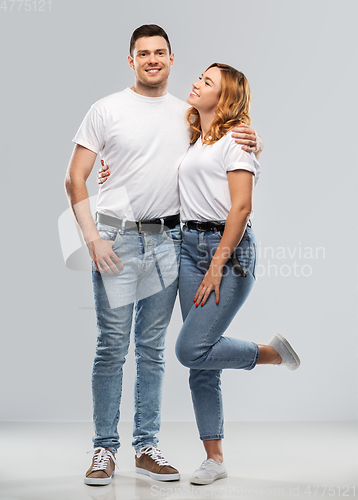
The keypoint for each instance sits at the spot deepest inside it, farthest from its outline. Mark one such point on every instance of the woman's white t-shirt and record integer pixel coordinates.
(203, 182)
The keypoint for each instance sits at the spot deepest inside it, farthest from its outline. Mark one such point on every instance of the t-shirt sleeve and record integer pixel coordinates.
(91, 132)
(238, 159)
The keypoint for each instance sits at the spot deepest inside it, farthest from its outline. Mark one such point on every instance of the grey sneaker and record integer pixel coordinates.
(288, 355)
(208, 472)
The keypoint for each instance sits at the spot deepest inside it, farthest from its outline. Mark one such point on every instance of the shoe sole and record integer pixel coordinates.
(98, 481)
(290, 349)
(158, 477)
(208, 481)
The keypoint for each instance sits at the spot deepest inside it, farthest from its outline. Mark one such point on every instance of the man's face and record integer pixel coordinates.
(151, 61)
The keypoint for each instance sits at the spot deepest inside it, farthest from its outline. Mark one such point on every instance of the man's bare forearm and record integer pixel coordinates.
(101, 251)
(78, 171)
(78, 199)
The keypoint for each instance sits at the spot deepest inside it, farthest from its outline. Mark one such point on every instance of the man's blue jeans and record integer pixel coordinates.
(201, 345)
(147, 286)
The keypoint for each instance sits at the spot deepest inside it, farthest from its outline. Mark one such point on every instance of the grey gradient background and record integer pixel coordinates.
(299, 57)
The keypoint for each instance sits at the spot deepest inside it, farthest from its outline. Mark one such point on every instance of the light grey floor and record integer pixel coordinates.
(276, 460)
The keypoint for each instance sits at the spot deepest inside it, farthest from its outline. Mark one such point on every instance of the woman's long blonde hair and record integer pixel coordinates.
(233, 106)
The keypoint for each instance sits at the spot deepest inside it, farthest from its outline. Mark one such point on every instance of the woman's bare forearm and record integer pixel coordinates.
(234, 230)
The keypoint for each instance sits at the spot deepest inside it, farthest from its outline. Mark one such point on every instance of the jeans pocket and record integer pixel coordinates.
(255, 260)
(246, 253)
(174, 234)
(108, 233)
(217, 234)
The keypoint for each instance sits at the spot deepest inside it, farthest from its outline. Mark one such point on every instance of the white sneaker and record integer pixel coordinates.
(208, 472)
(285, 350)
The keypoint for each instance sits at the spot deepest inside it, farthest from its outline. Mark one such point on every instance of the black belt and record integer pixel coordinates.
(205, 225)
(149, 225)
(219, 226)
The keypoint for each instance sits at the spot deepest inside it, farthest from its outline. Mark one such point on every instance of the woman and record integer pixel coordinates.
(216, 180)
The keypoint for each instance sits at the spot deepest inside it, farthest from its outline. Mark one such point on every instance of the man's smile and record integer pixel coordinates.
(153, 71)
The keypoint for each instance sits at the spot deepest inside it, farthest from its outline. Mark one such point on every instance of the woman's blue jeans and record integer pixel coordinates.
(201, 345)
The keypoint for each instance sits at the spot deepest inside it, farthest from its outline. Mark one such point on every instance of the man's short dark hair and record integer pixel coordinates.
(148, 30)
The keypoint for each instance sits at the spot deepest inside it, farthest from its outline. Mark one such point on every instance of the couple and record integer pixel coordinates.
(142, 134)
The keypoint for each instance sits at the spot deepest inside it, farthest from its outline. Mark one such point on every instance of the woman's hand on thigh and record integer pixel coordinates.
(210, 283)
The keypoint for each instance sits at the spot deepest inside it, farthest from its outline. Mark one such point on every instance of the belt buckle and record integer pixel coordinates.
(142, 223)
(200, 226)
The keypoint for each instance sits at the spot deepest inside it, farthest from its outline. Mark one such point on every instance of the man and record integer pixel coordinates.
(142, 134)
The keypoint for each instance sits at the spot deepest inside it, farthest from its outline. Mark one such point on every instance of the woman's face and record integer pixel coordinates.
(206, 91)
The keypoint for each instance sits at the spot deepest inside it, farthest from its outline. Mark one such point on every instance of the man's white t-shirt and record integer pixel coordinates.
(143, 140)
(203, 181)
